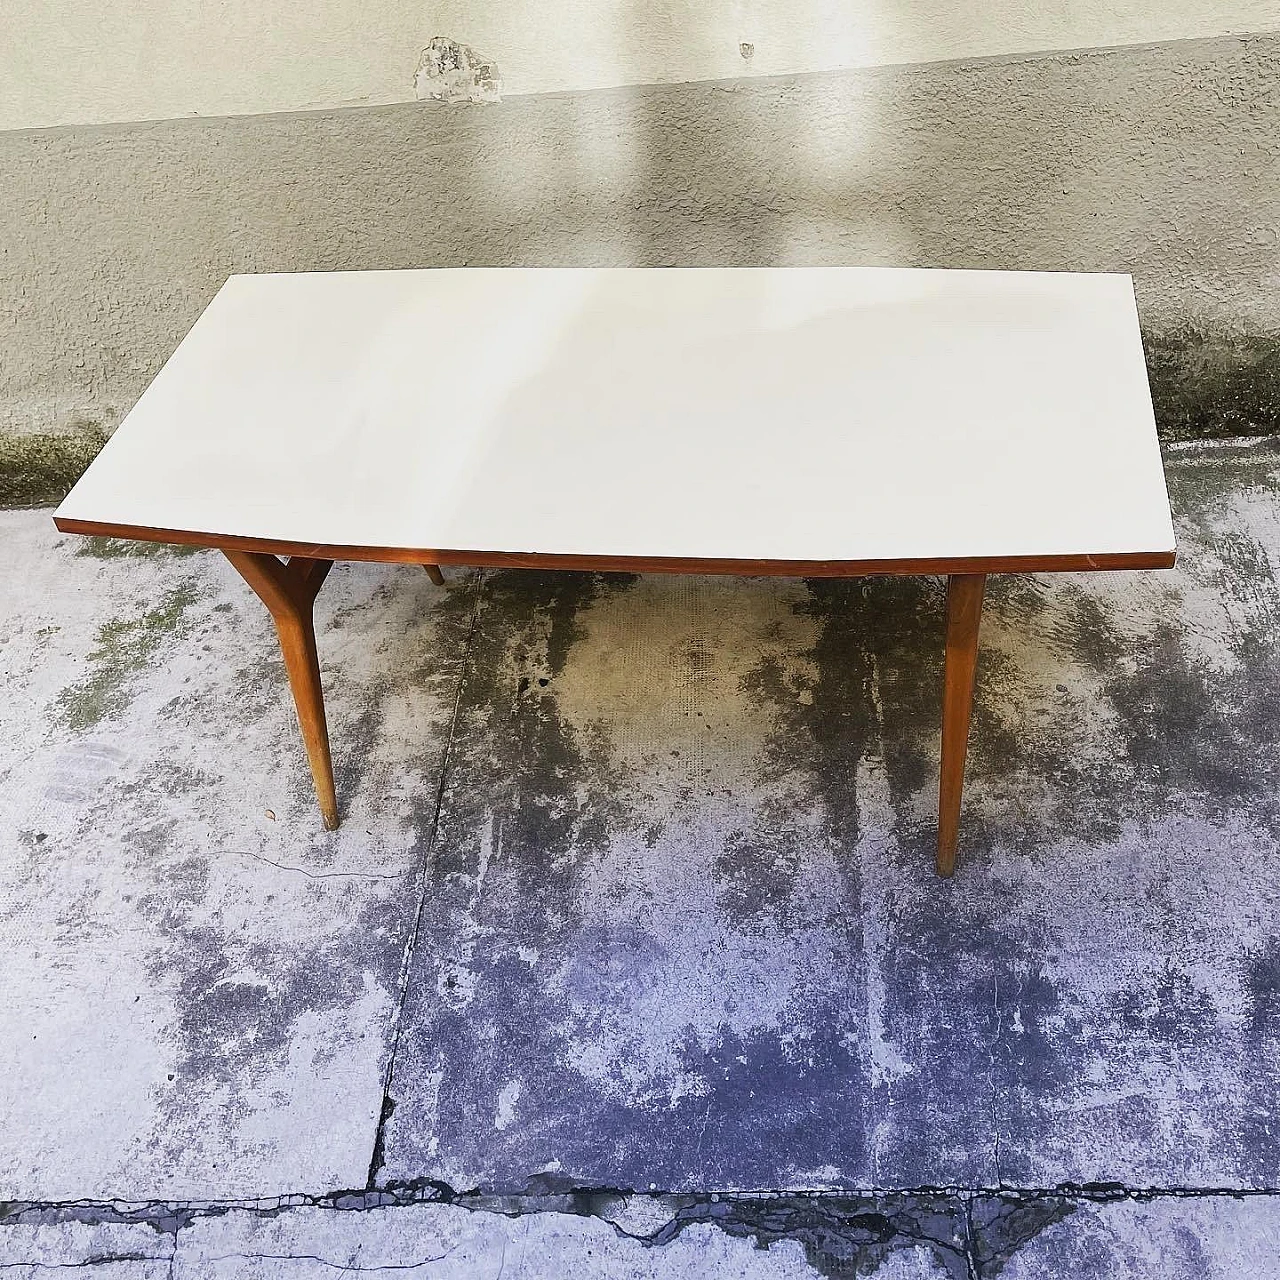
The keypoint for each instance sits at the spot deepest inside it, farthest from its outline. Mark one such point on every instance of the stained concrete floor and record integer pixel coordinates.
(629, 959)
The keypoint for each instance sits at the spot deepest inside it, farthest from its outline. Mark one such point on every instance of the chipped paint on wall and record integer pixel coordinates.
(157, 59)
(451, 72)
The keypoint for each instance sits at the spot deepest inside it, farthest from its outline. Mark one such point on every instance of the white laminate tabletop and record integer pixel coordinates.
(792, 413)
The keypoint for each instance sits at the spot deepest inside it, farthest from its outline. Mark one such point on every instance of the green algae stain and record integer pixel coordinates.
(1207, 386)
(125, 647)
(39, 469)
(127, 548)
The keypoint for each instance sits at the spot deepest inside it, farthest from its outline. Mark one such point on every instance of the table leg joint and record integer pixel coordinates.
(289, 589)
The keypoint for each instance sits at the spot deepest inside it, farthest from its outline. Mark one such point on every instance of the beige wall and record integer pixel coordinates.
(1159, 160)
(96, 61)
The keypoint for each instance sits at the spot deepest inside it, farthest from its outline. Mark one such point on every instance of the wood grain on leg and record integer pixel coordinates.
(289, 591)
(964, 612)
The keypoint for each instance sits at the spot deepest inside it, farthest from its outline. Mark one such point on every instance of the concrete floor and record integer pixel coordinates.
(632, 904)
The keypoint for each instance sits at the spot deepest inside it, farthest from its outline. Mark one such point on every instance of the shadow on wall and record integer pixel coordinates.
(1156, 160)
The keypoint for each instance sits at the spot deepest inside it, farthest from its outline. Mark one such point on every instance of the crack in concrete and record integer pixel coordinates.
(353, 1267)
(322, 875)
(973, 1232)
(377, 1156)
(839, 1235)
(970, 1249)
(94, 1260)
(992, 1089)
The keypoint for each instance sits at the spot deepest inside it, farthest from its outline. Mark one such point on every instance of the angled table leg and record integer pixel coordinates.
(289, 589)
(433, 572)
(964, 612)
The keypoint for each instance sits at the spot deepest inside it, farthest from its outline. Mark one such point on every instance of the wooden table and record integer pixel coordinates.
(822, 422)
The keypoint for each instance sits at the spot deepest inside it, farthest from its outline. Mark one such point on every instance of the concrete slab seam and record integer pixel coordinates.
(475, 582)
(977, 1229)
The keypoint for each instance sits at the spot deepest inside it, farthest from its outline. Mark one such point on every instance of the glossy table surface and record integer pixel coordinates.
(834, 414)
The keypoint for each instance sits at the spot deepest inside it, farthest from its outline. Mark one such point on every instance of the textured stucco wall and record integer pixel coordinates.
(97, 61)
(1163, 161)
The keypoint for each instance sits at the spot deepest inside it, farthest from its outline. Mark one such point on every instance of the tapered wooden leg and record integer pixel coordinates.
(289, 591)
(433, 572)
(964, 612)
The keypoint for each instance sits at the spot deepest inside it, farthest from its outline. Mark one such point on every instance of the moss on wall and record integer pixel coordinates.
(39, 469)
(1206, 387)
(1203, 387)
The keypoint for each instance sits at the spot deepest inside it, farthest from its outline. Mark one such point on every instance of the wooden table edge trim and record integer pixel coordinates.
(945, 565)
